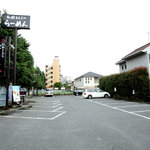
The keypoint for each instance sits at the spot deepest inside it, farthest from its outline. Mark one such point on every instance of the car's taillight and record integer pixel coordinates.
(84, 93)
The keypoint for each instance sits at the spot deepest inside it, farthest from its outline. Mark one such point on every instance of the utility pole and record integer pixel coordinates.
(8, 72)
(15, 55)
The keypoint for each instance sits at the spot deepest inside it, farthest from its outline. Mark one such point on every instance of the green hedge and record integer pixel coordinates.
(136, 79)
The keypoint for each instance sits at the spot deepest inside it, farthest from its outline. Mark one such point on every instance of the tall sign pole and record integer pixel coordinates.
(15, 58)
(15, 22)
(8, 73)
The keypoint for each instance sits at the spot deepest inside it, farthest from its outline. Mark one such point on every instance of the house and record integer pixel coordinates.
(137, 58)
(87, 80)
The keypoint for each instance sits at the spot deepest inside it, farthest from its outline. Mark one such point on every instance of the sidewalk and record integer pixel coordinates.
(25, 105)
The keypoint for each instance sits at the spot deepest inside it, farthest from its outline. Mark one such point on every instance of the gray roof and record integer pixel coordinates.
(134, 53)
(89, 74)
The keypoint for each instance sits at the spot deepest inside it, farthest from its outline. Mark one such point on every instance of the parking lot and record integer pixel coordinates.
(75, 123)
(134, 108)
(42, 109)
(54, 108)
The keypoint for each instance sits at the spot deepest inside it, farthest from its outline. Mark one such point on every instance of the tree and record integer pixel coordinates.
(66, 86)
(24, 64)
(58, 85)
(39, 79)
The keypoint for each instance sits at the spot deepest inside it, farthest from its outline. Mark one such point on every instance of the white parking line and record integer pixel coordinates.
(58, 115)
(34, 118)
(57, 109)
(140, 111)
(56, 101)
(120, 110)
(42, 106)
(133, 106)
(38, 118)
(56, 105)
(111, 103)
(36, 110)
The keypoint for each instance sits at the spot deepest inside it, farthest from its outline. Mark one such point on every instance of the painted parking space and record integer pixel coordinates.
(134, 108)
(40, 110)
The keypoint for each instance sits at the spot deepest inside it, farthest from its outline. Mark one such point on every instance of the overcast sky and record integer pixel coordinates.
(87, 35)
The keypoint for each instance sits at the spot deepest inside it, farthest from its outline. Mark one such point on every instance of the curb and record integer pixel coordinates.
(12, 110)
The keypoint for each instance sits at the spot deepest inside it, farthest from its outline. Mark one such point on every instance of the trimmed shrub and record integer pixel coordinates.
(136, 79)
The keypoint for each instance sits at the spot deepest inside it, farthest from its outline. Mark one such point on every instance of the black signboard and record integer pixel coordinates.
(16, 21)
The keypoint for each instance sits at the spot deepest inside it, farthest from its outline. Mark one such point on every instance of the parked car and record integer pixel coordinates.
(93, 93)
(78, 92)
(49, 92)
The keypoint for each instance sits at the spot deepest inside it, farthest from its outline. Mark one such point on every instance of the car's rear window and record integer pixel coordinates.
(49, 90)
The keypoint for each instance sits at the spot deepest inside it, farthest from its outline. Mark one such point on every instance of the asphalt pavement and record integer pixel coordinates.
(74, 123)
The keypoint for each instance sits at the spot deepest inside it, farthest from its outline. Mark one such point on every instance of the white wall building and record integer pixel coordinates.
(137, 58)
(87, 80)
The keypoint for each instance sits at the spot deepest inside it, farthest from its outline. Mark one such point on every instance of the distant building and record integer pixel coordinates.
(52, 73)
(140, 57)
(87, 80)
(67, 80)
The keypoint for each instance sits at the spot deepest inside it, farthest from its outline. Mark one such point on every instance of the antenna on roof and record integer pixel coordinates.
(148, 33)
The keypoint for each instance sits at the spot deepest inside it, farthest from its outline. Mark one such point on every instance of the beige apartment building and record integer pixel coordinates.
(52, 73)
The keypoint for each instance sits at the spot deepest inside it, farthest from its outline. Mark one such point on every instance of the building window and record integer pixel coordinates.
(122, 67)
(125, 66)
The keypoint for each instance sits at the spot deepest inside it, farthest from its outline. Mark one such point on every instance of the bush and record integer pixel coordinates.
(136, 79)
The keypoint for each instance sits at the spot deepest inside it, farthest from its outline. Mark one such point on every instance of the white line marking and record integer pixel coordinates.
(17, 117)
(56, 101)
(58, 115)
(57, 109)
(140, 111)
(40, 118)
(42, 106)
(35, 110)
(120, 110)
(56, 105)
(133, 106)
(113, 103)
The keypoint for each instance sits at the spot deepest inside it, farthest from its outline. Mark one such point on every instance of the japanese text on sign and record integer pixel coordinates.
(2, 48)
(16, 21)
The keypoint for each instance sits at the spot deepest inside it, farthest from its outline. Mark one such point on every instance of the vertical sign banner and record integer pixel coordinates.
(2, 56)
(10, 92)
(16, 93)
(2, 96)
(16, 21)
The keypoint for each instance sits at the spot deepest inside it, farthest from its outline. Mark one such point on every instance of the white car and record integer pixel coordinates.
(93, 93)
(49, 92)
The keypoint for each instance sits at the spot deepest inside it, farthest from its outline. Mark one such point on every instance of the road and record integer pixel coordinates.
(74, 123)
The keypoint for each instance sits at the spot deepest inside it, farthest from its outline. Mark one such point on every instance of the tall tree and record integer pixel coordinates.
(24, 65)
(58, 85)
(39, 82)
